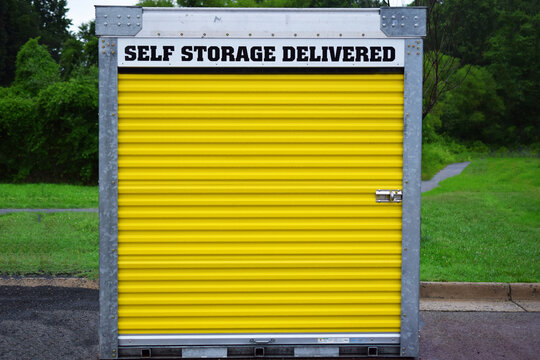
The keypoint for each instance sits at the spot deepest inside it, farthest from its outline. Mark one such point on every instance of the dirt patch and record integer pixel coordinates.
(68, 282)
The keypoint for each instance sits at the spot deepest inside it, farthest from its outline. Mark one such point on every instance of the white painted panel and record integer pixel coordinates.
(144, 52)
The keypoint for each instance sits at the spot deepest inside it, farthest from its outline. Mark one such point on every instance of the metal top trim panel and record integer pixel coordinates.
(277, 23)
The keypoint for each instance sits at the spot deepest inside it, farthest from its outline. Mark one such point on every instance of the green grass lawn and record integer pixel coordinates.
(484, 225)
(48, 196)
(59, 244)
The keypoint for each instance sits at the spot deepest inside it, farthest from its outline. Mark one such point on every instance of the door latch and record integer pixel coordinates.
(388, 196)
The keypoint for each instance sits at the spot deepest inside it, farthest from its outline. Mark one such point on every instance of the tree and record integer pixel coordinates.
(18, 23)
(53, 24)
(80, 52)
(513, 60)
(36, 69)
(472, 111)
(156, 3)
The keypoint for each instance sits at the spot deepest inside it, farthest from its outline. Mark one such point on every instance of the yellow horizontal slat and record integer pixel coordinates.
(257, 261)
(253, 98)
(257, 310)
(255, 274)
(259, 286)
(175, 199)
(259, 174)
(168, 212)
(322, 298)
(152, 137)
(146, 149)
(255, 161)
(251, 84)
(254, 324)
(156, 248)
(263, 112)
(205, 236)
(259, 224)
(155, 186)
(146, 124)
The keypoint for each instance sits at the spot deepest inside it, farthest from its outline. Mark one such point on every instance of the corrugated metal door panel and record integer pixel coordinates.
(246, 203)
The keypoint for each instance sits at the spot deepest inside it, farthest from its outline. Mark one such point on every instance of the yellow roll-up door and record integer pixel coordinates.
(247, 203)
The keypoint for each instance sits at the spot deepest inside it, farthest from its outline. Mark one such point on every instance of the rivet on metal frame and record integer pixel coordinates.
(384, 25)
(105, 24)
(119, 24)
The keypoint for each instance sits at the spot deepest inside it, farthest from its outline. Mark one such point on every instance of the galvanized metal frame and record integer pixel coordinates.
(108, 198)
(406, 22)
(412, 30)
(412, 157)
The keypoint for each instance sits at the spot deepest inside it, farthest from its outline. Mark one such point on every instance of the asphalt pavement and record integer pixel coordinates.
(50, 322)
(448, 172)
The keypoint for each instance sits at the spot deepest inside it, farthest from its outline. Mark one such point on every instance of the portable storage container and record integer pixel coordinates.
(259, 182)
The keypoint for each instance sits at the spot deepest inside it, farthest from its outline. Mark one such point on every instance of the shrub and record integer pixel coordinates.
(67, 122)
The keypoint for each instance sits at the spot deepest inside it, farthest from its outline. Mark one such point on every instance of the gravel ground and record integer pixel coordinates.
(51, 323)
(46, 322)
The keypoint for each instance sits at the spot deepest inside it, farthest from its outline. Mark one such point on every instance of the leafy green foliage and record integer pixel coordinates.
(36, 69)
(513, 60)
(52, 24)
(282, 3)
(17, 117)
(80, 52)
(21, 20)
(18, 23)
(49, 128)
(156, 3)
(473, 110)
(68, 128)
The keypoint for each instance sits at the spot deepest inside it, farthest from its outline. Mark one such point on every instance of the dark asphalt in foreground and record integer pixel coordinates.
(51, 323)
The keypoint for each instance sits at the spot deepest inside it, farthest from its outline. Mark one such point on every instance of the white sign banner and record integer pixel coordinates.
(192, 53)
